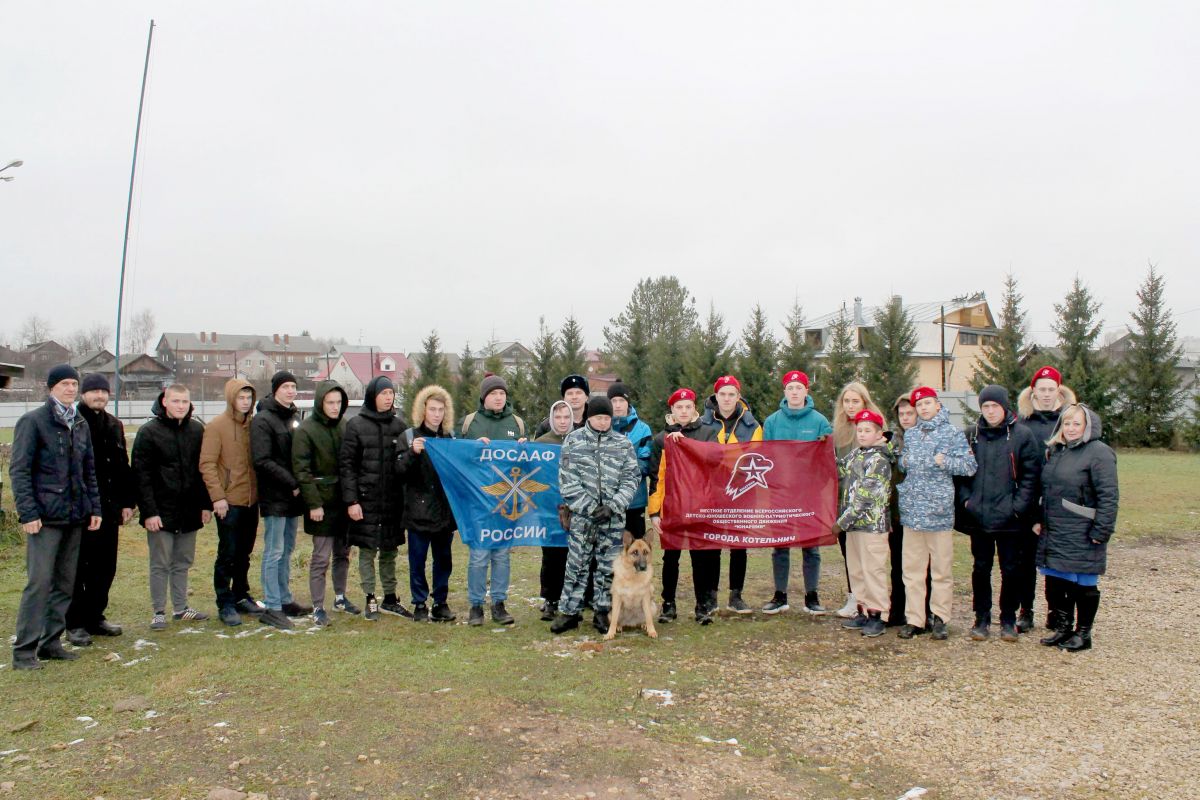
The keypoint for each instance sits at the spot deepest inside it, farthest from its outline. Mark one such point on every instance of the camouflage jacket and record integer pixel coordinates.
(867, 474)
(598, 469)
(927, 493)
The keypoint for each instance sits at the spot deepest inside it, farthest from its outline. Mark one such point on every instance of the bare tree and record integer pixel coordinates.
(137, 335)
(35, 329)
(95, 337)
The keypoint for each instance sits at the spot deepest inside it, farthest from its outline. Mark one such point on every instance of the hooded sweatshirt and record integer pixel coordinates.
(225, 460)
(315, 448)
(927, 493)
(796, 425)
(549, 436)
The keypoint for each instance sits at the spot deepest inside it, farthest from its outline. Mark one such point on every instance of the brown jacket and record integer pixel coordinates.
(225, 460)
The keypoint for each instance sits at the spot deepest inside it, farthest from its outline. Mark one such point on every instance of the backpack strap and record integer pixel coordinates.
(520, 426)
(466, 423)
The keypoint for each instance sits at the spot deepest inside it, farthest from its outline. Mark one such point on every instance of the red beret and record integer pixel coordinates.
(795, 375)
(867, 415)
(921, 392)
(681, 394)
(1046, 372)
(727, 380)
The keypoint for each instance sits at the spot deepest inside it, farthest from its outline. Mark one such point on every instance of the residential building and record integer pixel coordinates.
(87, 362)
(950, 337)
(207, 355)
(142, 376)
(355, 370)
(40, 357)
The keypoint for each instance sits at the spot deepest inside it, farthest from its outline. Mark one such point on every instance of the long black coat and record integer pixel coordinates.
(53, 469)
(113, 473)
(426, 508)
(271, 433)
(166, 466)
(1001, 496)
(1079, 503)
(367, 464)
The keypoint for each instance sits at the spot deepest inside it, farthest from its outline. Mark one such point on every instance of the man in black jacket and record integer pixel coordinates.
(54, 487)
(279, 498)
(172, 499)
(995, 506)
(118, 497)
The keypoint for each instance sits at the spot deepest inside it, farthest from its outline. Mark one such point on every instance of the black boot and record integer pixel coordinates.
(549, 610)
(600, 621)
(668, 612)
(1087, 599)
(565, 622)
(1060, 618)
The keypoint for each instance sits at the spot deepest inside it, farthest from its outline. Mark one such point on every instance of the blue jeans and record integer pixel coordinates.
(477, 577)
(781, 566)
(279, 539)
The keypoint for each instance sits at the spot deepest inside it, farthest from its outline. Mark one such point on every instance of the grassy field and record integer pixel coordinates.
(395, 709)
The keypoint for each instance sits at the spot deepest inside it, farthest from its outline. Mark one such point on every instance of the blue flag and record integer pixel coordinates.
(503, 494)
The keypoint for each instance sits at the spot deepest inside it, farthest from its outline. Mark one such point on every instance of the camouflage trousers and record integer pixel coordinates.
(586, 540)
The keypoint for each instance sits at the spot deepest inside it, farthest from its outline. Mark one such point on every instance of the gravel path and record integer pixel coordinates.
(994, 719)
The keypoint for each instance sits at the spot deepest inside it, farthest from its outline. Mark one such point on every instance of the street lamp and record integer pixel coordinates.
(6, 166)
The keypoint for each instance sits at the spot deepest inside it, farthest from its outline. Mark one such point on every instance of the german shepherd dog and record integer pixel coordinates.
(633, 588)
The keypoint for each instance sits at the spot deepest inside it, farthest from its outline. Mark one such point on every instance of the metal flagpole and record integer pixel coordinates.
(137, 135)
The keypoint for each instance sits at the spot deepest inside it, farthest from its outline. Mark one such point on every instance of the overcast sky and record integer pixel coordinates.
(380, 169)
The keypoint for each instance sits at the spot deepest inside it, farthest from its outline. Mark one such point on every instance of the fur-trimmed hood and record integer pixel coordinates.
(1066, 397)
(437, 393)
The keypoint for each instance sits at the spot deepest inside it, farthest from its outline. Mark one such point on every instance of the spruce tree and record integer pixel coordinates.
(520, 394)
(466, 385)
(841, 363)
(709, 354)
(1083, 366)
(1150, 384)
(543, 370)
(756, 364)
(431, 365)
(890, 370)
(795, 351)
(645, 343)
(570, 360)
(1000, 359)
(491, 357)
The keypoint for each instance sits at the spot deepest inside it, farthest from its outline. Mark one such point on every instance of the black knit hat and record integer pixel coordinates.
(61, 372)
(93, 381)
(491, 383)
(280, 378)
(574, 382)
(994, 394)
(598, 404)
(619, 389)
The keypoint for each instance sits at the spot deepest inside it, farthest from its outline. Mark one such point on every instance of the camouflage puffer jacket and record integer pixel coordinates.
(867, 473)
(598, 469)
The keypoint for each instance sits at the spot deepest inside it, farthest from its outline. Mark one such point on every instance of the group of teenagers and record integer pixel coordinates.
(1036, 487)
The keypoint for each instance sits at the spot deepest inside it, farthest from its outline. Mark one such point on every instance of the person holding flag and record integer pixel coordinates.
(727, 413)
(682, 422)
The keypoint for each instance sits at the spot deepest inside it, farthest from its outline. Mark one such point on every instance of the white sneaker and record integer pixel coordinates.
(850, 609)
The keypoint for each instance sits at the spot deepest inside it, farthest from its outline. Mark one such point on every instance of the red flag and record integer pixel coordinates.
(751, 494)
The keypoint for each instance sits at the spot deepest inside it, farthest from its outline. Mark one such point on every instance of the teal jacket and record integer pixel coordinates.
(801, 425)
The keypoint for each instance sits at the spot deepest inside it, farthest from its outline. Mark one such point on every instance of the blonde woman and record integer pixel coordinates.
(853, 398)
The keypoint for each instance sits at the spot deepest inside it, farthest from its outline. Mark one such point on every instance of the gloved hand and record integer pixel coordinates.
(602, 515)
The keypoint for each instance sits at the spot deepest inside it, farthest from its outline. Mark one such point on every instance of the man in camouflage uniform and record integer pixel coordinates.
(598, 476)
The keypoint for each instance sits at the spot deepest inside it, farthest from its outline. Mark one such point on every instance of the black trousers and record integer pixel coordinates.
(984, 549)
(706, 574)
(737, 570)
(635, 522)
(1026, 578)
(51, 556)
(896, 546)
(236, 535)
(94, 574)
(553, 572)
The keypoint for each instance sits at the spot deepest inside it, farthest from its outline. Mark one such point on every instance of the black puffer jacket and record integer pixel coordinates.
(271, 433)
(368, 468)
(1001, 496)
(426, 508)
(166, 465)
(53, 469)
(1079, 503)
(113, 474)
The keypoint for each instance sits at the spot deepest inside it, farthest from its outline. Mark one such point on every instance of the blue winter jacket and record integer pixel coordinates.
(800, 425)
(640, 435)
(927, 493)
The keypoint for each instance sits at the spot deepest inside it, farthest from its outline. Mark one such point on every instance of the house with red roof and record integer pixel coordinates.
(355, 370)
